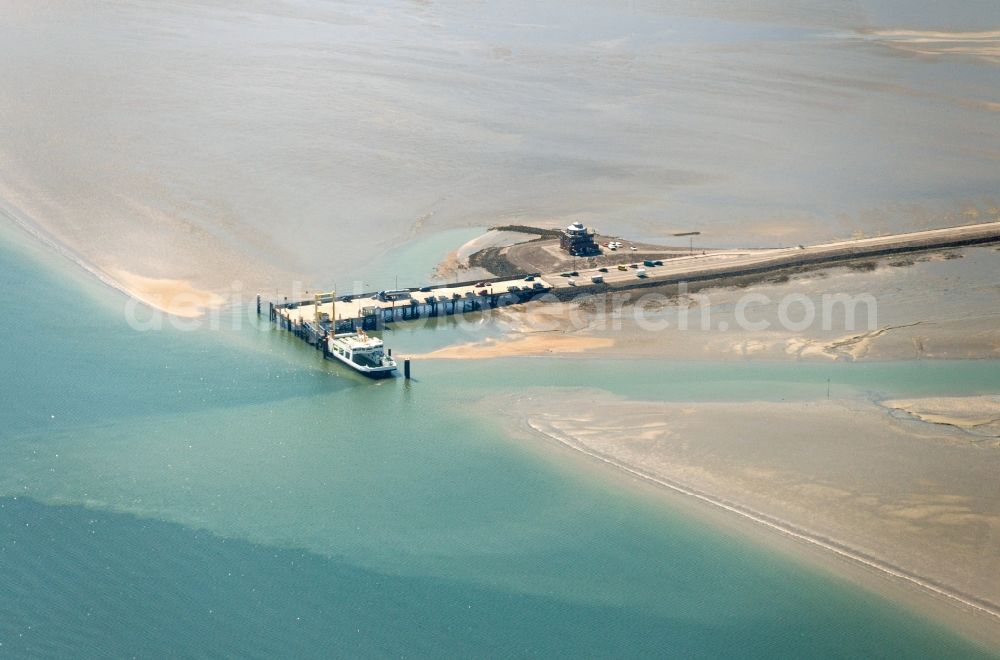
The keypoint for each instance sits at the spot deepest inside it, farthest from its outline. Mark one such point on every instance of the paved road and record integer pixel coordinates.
(736, 262)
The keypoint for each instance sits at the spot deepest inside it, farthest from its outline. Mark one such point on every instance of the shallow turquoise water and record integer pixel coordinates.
(228, 493)
(411, 262)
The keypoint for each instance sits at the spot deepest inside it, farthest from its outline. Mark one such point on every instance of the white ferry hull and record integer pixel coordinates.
(371, 372)
(362, 353)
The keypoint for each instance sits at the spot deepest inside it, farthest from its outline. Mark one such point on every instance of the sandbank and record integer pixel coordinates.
(176, 297)
(519, 345)
(912, 502)
(979, 415)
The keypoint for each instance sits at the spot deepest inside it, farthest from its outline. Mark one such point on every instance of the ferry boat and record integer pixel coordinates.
(362, 353)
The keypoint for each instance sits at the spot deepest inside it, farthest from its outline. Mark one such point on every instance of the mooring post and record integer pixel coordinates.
(258, 304)
(406, 369)
(390, 352)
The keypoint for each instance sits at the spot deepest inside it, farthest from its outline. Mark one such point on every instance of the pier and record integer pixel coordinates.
(717, 265)
(312, 320)
(369, 311)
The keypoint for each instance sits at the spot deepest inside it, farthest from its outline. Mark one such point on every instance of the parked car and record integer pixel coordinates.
(346, 298)
(425, 289)
(658, 262)
(565, 275)
(480, 285)
(513, 289)
(529, 278)
(641, 272)
(571, 282)
(633, 265)
(537, 285)
(597, 279)
(622, 267)
(574, 274)
(648, 263)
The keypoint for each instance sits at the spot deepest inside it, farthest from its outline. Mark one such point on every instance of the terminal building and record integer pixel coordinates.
(578, 241)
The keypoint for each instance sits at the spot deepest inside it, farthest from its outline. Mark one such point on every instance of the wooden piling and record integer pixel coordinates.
(258, 304)
(406, 369)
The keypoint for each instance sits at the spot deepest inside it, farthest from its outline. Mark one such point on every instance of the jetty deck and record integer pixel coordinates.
(368, 311)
